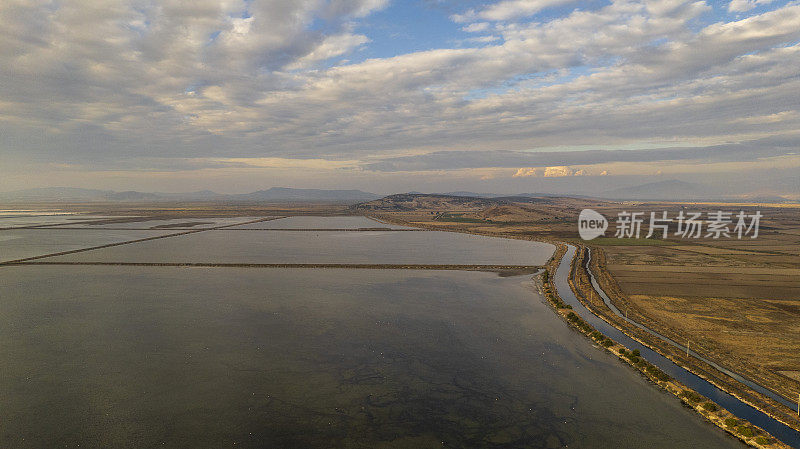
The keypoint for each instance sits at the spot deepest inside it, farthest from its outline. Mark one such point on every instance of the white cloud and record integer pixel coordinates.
(746, 5)
(514, 9)
(481, 39)
(476, 27)
(557, 171)
(507, 10)
(528, 171)
(332, 46)
(101, 80)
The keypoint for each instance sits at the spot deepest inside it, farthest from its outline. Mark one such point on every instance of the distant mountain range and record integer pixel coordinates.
(669, 190)
(674, 190)
(272, 195)
(662, 190)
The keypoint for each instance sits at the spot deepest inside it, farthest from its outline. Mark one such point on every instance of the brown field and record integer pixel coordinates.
(753, 330)
(738, 300)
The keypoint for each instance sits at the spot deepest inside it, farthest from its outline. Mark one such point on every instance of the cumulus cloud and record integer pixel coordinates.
(476, 27)
(748, 151)
(330, 47)
(549, 172)
(746, 5)
(528, 171)
(98, 82)
(508, 9)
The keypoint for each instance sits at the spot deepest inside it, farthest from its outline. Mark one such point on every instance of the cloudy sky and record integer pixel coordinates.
(389, 95)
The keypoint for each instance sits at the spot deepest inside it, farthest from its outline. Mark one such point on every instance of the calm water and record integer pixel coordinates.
(105, 356)
(185, 223)
(10, 220)
(370, 247)
(21, 243)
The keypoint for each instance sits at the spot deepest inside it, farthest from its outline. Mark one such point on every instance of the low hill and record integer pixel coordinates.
(422, 201)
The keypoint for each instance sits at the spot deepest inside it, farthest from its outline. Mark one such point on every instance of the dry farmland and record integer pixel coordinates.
(737, 301)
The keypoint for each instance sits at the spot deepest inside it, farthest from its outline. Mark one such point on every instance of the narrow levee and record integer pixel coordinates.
(751, 384)
(729, 402)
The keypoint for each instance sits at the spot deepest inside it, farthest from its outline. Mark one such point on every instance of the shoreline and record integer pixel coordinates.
(738, 428)
(694, 365)
(677, 388)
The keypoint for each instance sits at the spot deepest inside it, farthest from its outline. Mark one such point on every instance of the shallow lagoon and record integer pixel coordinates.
(15, 221)
(170, 223)
(22, 243)
(207, 357)
(367, 247)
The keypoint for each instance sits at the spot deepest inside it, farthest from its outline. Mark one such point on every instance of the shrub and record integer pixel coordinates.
(710, 406)
(608, 342)
(657, 373)
(633, 356)
(764, 441)
(731, 422)
(663, 376)
(746, 431)
(692, 396)
(622, 351)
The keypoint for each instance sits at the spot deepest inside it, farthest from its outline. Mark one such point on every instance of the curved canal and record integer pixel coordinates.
(735, 406)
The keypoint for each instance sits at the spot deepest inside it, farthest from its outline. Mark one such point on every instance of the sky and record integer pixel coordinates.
(391, 96)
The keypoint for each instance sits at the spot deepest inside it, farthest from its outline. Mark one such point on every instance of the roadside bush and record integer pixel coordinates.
(657, 373)
(608, 342)
(663, 376)
(633, 356)
(731, 422)
(692, 396)
(764, 441)
(746, 431)
(622, 352)
(583, 325)
(710, 406)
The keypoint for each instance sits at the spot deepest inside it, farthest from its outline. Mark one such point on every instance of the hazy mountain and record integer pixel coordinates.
(274, 194)
(672, 189)
(56, 194)
(131, 195)
(305, 195)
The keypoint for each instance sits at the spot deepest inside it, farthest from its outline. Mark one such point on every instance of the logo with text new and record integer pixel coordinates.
(591, 224)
